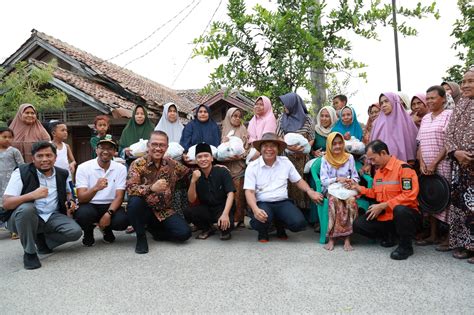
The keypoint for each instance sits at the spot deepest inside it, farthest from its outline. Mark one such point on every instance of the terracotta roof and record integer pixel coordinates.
(195, 96)
(155, 94)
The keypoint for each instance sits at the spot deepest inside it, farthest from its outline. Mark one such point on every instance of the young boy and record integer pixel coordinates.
(101, 124)
(64, 159)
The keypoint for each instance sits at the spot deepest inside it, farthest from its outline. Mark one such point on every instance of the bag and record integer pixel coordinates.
(355, 146)
(192, 152)
(297, 139)
(308, 165)
(175, 151)
(250, 155)
(231, 148)
(340, 192)
(139, 148)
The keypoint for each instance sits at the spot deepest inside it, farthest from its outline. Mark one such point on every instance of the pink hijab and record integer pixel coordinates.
(397, 130)
(263, 124)
(421, 97)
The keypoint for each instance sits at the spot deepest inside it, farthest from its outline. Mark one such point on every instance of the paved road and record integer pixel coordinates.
(238, 276)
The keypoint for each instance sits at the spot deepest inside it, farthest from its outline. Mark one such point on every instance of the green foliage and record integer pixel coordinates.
(28, 84)
(273, 52)
(463, 31)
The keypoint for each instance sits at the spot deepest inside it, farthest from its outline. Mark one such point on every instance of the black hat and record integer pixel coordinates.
(434, 195)
(203, 147)
(109, 141)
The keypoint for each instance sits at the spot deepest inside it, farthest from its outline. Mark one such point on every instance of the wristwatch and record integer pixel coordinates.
(111, 212)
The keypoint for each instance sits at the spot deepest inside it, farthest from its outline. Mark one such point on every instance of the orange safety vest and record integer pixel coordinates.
(396, 184)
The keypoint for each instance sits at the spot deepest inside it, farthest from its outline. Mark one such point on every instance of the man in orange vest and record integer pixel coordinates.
(395, 189)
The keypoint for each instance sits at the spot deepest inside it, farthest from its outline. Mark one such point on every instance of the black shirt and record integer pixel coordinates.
(212, 191)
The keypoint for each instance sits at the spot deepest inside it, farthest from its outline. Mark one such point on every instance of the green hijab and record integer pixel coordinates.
(133, 132)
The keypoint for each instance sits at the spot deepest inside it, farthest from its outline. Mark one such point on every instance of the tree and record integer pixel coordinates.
(463, 31)
(294, 46)
(28, 84)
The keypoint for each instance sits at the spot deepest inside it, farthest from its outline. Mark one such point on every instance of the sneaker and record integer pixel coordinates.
(31, 261)
(402, 253)
(142, 244)
(109, 236)
(263, 237)
(88, 239)
(41, 245)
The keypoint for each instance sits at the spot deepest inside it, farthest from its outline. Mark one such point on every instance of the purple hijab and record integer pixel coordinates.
(397, 130)
(295, 119)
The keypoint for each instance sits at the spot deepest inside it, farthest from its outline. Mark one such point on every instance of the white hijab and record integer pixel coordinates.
(173, 130)
(324, 132)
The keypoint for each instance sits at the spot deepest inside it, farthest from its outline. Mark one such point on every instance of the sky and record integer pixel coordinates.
(106, 28)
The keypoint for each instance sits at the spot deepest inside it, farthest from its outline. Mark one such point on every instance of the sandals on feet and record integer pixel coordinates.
(462, 254)
(442, 248)
(205, 234)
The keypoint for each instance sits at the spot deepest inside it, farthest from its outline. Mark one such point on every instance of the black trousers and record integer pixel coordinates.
(406, 222)
(88, 214)
(204, 216)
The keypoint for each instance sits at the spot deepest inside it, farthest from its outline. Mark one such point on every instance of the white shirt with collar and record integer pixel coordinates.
(89, 172)
(270, 182)
(45, 207)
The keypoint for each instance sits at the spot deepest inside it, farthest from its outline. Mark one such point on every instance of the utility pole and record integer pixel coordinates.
(395, 35)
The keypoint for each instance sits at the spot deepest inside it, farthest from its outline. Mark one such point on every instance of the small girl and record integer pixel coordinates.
(64, 157)
(11, 158)
(101, 124)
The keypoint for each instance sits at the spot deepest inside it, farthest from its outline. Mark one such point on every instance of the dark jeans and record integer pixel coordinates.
(405, 223)
(203, 216)
(172, 228)
(89, 213)
(285, 214)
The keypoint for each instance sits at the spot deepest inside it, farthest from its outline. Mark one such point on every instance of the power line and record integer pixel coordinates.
(191, 54)
(167, 35)
(152, 33)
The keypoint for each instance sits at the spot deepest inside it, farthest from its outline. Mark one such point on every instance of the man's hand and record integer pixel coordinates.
(101, 184)
(105, 220)
(70, 208)
(315, 196)
(223, 223)
(160, 185)
(40, 192)
(260, 215)
(464, 158)
(196, 176)
(374, 210)
(350, 184)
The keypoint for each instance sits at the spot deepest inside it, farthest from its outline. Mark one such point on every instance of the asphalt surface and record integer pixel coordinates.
(237, 276)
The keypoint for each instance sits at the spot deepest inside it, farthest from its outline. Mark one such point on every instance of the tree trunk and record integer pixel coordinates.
(318, 78)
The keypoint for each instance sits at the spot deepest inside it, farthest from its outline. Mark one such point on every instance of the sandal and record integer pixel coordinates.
(442, 248)
(462, 254)
(471, 260)
(205, 234)
(14, 236)
(425, 242)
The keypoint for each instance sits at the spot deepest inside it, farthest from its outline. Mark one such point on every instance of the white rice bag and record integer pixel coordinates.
(355, 146)
(139, 148)
(340, 192)
(192, 152)
(250, 155)
(307, 166)
(231, 148)
(297, 139)
(175, 151)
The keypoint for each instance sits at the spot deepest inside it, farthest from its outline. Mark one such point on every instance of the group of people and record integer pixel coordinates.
(48, 199)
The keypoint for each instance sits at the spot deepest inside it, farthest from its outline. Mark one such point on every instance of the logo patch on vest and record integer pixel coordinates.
(406, 183)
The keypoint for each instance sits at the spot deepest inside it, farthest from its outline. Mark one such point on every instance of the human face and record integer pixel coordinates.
(204, 160)
(28, 116)
(418, 107)
(157, 146)
(6, 138)
(385, 105)
(467, 85)
(374, 112)
(101, 126)
(337, 104)
(172, 114)
(202, 114)
(346, 116)
(447, 88)
(434, 101)
(259, 108)
(377, 160)
(105, 152)
(325, 118)
(337, 145)
(60, 132)
(235, 119)
(44, 160)
(140, 116)
(269, 151)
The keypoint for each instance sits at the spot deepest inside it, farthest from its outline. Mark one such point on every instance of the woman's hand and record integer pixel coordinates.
(127, 151)
(464, 158)
(317, 153)
(347, 136)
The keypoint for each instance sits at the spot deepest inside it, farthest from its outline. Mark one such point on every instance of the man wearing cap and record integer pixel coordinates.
(214, 188)
(266, 191)
(150, 185)
(38, 205)
(396, 190)
(100, 184)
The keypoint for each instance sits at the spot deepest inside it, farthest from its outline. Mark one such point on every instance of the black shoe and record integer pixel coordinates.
(109, 236)
(263, 237)
(225, 236)
(88, 239)
(142, 244)
(40, 241)
(281, 234)
(402, 253)
(31, 261)
(388, 241)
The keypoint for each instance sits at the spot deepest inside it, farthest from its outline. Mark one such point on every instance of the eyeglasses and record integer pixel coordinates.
(158, 145)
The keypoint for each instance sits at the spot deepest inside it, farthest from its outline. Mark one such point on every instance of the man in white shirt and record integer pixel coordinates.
(266, 191)
(39, 205)
(100, 184)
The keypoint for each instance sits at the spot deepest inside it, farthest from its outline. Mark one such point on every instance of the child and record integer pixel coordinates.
(64, 157)
(101, 124)
(11, 158)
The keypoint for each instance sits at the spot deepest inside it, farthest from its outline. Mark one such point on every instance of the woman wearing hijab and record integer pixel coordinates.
(170, 124)
(325, 121)
(395, 127)
(27, 130)
(232, 124)
(348, 125)
(139, 127)
(419, 108)
(373, 111)
(263, 121)
(295, 119)
(453, 89)
(201, 129)
(339, 166)
(460, 149)
(404, 100)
